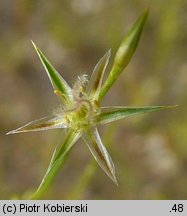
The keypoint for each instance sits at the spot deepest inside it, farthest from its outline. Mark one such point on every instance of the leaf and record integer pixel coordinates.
(97, 75)
(98, 150)
(52, 159)
(124, 53)
(57, 163)
(110, 114)
(46, 123)
(59, 84)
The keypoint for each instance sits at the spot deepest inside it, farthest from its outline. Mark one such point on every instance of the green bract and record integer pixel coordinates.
(81, 112)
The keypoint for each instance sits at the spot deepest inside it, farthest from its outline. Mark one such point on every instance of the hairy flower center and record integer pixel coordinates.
(83, 113)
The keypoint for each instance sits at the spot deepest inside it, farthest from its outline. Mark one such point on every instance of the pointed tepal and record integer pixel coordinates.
(46, 123)
(96, 79)
(110, 114)
(59, 84)
(99, 152)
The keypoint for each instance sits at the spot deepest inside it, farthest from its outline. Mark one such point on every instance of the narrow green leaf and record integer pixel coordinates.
(111, 114)
(98, 150)
(46, 123)
(52, 159)
(56, 163)
(97, 75)
(124, 53)
(59, 84)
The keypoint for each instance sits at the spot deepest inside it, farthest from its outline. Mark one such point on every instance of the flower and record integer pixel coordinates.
(81, 112)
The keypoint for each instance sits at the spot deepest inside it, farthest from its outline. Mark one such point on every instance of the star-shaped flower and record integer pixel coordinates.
(80, 112)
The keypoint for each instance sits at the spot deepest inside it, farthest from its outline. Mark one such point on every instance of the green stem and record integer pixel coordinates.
(124, 53)
(56, 164)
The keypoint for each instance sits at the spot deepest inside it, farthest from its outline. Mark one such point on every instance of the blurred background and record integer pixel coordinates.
(149, 151)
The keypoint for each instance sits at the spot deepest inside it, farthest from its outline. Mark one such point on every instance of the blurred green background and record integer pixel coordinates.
(149, 151)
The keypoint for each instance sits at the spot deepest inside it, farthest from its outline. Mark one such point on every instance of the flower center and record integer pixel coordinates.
(82, 115)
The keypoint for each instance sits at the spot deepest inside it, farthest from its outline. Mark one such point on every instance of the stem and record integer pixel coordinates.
(124, 53)
(56, 163)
